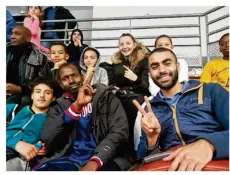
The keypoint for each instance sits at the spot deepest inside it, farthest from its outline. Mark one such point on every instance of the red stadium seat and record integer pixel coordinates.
(214, 165)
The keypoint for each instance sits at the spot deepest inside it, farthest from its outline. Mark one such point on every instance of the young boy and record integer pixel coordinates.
(58, 56)
(217, 70)
(89, 62)
(25, 123)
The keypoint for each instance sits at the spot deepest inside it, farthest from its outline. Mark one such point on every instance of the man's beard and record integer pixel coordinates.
(74, 90)
(169, 84)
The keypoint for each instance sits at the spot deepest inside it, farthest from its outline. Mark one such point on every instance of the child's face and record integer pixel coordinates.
(57, 53)
(76, 36)
(126, 45)
(224, 46)
(165, 43)
(34, 10)
(90, 58)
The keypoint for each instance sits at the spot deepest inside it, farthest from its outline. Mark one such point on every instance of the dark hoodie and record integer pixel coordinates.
(73, 51)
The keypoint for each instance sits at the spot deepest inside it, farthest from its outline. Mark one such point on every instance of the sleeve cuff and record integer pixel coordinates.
(138, 81)
(154, 146)
(97, 160)
(54, 68)
(11, 143)
(73, 113)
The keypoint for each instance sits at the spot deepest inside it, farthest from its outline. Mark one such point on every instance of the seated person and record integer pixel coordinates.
(189, 113)
(76, 46)
(24, 63)
(86, 128)
(89, 62)
(58, 56)
(130, 65)
(166, 42)
(217, 70)
(25, 123)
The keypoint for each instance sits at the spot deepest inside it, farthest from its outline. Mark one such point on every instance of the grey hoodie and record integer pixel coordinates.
(100, 75)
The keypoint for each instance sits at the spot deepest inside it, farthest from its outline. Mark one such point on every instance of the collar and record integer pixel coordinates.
(69, 96)
(185, 84)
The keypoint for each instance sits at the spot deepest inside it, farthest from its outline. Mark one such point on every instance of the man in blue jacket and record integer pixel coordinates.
(191, 114)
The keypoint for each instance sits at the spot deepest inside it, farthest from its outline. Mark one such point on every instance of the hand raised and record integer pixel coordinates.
(149, 123)
(85, 93)
(129, 74)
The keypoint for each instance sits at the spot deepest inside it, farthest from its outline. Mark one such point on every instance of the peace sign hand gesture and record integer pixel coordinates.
(149, 123)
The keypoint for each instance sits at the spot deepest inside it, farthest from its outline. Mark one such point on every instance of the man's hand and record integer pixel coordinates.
(28, 151)
(58, 64)
(85, 95)
(129, 74)
(192, 157)
(149, 123)
(12, 89)
(90, 166)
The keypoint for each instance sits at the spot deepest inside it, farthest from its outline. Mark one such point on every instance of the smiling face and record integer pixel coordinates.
(42, 96)
(163, 69)
(164, 42)
(70, 79)
(58, 53)
(126, 45)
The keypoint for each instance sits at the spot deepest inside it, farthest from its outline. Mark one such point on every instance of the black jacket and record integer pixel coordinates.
(109, 125)
(75, 51)
(31, 66)
(141, 85)
(61, 13)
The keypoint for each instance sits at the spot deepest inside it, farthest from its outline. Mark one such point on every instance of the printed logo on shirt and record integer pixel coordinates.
(86, 110)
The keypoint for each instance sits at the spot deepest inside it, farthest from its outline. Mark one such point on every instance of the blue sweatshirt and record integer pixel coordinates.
(85, 144)
(25, 126)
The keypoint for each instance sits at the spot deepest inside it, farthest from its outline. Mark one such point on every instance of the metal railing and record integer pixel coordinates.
(213, 46)
(131, 28)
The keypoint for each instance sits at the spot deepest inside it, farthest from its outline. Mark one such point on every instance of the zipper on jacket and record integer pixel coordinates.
(27, 123)
(174, 111)
(176, 125)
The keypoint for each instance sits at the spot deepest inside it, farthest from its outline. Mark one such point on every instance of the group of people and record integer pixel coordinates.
(69, 112)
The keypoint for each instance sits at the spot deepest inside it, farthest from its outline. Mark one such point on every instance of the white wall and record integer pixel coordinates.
(194, 53)
(146, 10)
